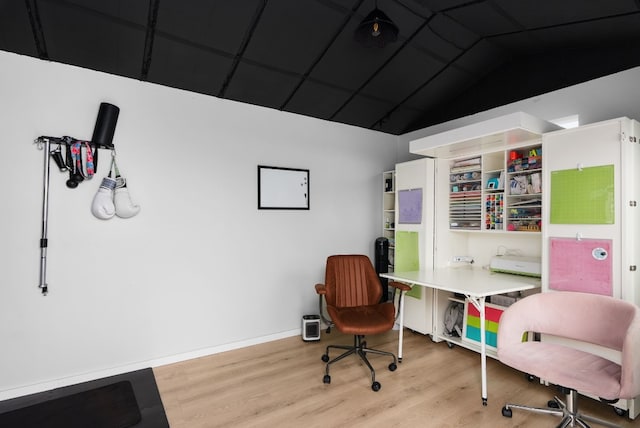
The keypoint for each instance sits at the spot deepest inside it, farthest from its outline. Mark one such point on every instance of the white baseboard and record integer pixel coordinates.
(157, 362)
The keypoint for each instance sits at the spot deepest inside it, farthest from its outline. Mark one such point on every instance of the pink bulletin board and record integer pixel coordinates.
(581, 265)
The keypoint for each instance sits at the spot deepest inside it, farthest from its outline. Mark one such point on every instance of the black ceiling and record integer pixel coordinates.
(452, 57)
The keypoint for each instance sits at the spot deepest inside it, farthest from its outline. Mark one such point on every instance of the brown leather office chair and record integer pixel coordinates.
(352, 291)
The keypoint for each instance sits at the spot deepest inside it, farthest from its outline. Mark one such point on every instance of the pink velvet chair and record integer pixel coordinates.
(588, 318)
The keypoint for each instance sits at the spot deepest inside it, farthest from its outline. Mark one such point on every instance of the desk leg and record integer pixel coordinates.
(479, 303)
(401, 330)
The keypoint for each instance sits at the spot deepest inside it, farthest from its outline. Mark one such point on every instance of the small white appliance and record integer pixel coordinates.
(518, 265)
(310, 327)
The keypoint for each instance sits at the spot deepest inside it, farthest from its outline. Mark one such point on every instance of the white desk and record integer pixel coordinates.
(475, 284)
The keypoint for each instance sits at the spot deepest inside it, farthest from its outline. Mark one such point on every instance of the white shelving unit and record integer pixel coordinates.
(389, 212)
(492, 192)
(465, 193)
(476, 211)
(498, 191)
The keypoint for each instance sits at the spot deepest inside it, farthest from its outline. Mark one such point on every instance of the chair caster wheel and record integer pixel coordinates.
(619, 411)
(376, 386)
(325, 358)
(326, 379)
(506, 412)
(553, 404)
(393, 367)
(450, 345)
(529, 377)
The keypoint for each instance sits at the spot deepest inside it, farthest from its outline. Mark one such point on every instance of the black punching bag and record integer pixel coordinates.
(105, 126)
(382, 264)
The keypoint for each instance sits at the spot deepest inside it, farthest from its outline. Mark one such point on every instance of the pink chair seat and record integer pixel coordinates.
(588, 373)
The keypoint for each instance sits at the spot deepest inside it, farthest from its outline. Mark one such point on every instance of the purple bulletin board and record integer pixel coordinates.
(410, 206)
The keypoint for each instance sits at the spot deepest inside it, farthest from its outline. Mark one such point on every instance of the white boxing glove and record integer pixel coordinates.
(103, 206)
(124, 207)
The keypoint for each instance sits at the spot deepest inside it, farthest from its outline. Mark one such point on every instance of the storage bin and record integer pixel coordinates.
(471, 330)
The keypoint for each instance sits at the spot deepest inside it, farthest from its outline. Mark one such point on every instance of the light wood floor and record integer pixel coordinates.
(279, 384)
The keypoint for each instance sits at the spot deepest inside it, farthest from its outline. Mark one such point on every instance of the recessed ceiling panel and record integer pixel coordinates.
(434, 45)
(440, 5)
(317, 100)
(482, 58)
(439, 90)
(218, 24)
(15, 31)
(494, 20)
(135, 12)
(545, 13)
(589, 34)
(302, 30)
(524, 43)
(261, 86)
(403, 75)
(452, 32)
(398, 120)
(187, 67)
(363, 111)
(92, 40)
(349, 65)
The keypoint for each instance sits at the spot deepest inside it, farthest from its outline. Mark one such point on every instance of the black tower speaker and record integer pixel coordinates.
(382, 264)
(105, 126)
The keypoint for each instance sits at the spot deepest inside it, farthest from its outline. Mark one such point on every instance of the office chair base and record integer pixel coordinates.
(571, 417)
(360, 348)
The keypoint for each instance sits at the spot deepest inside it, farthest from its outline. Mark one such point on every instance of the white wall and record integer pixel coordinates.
(608, 97)
(200, 269)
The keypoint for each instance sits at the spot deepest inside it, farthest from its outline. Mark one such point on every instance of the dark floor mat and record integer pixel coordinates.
(121, 401)
(109, 406)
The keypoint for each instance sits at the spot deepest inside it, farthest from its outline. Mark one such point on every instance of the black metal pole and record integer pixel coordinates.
(45, 215)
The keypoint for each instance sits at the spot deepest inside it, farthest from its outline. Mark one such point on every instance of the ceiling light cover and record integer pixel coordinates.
(376, 30)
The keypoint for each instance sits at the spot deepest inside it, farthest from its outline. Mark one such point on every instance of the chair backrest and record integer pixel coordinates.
(591, 318)
(351, 281)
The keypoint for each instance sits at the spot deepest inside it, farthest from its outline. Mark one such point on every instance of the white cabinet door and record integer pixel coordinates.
(410, 176)
(588, 148)
(614, 142)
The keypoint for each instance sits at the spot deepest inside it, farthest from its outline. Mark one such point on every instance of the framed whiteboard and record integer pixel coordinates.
(283, 188)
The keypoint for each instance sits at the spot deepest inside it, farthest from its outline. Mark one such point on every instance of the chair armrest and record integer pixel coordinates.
(321, 289)
(400, 286)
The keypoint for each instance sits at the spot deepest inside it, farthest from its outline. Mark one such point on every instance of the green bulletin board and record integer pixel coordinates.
(407, 258)
(582, 196)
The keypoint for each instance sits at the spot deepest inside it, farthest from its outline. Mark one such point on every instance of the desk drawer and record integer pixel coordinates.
(471, 328)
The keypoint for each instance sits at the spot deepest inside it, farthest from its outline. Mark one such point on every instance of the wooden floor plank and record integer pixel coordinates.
(280, 384)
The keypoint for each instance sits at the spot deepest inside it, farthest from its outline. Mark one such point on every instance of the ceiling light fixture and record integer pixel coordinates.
(376, 29)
